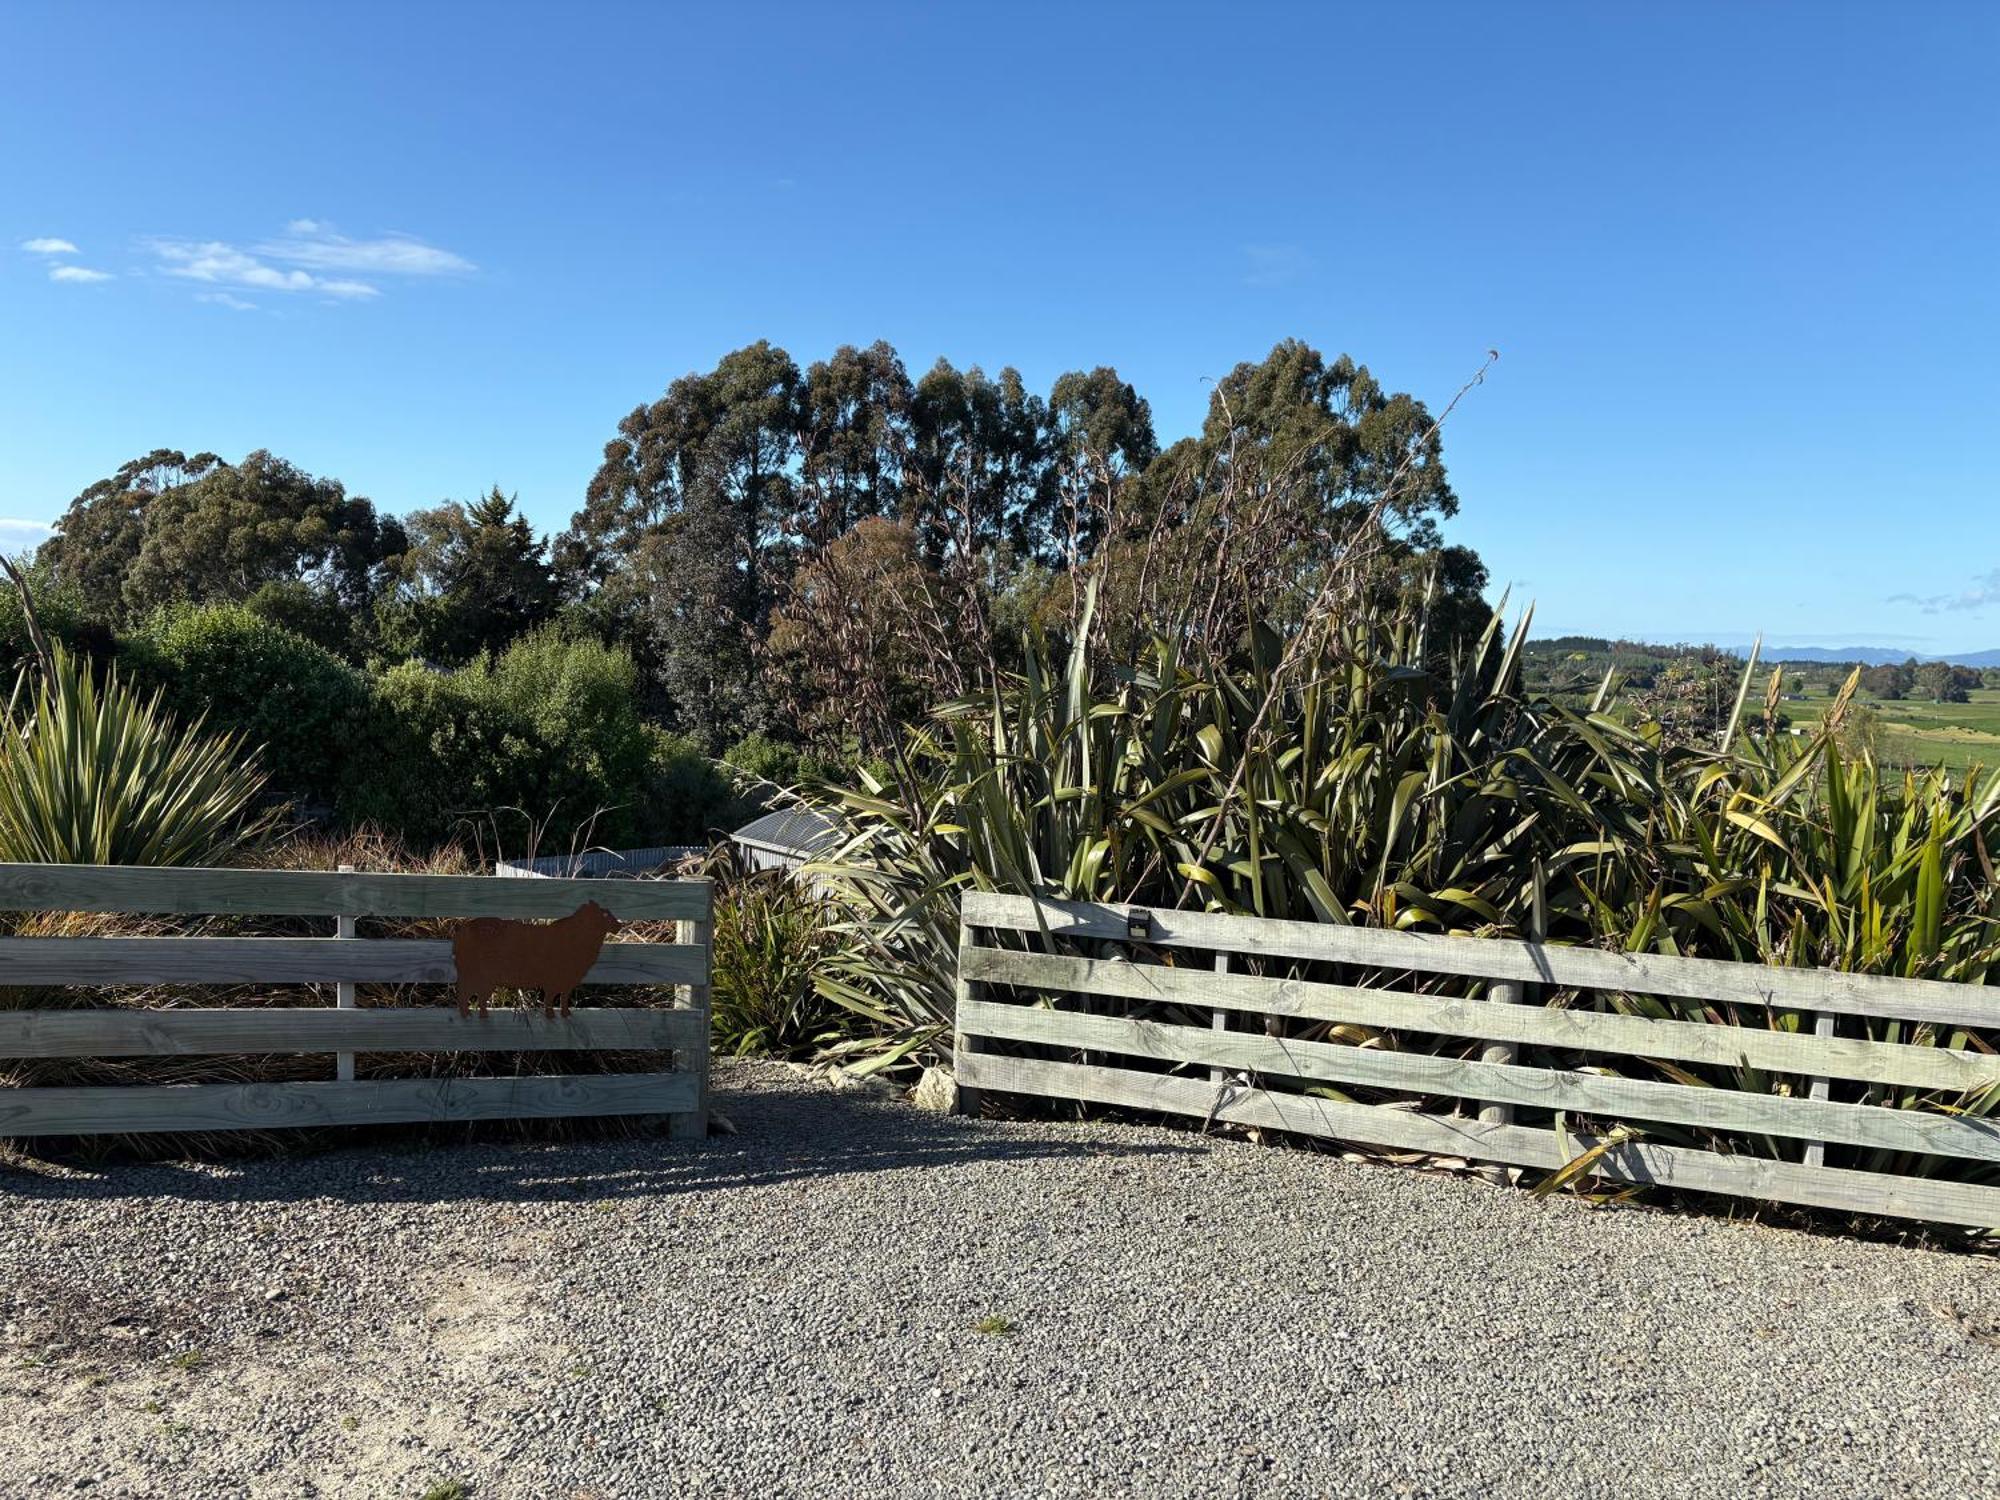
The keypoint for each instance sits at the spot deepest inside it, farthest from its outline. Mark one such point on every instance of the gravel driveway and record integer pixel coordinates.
(795, 1310)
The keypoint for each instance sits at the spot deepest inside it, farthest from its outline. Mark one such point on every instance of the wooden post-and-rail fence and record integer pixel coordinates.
(1124, 1007)
(679, 1034)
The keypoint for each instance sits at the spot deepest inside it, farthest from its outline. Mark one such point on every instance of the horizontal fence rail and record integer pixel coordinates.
(166, 960)
(1577, 1030)
(1181, 1035)
(117, 1031)
(1502, 958)
(313, 893)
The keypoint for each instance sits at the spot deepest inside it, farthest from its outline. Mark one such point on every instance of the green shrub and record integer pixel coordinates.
(427, 755)
(297, 702)
(91, 772)
(314, 613)
(764, 759)
(688, 797)
(60, 608)
(549, 728)
(574, 700)
(771, 939)
(759, 758)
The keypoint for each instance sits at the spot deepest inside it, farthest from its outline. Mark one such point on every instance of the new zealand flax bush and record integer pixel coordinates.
(770, 939)
(1390, 788)
(93, 772)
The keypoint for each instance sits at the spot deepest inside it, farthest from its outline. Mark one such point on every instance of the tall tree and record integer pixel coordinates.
(853, 442)
(1937, 681)
(168, 528)
(975, 476)
(974, 489)
(473, 578)
(1098, 438)
(694, 630)
(98, 538)
(686, 516)
(1243, 521)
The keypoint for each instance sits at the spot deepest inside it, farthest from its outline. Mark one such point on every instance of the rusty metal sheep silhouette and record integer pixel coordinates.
(553, 957)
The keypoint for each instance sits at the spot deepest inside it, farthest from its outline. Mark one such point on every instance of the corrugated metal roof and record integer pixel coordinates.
(798, 829)
(599, 863)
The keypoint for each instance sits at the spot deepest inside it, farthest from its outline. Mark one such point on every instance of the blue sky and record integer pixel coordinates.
(1739, 260)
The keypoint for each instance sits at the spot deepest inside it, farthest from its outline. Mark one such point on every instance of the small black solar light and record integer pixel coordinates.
(1138, 924)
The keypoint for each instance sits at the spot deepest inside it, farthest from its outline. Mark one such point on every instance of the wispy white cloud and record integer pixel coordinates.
(1981, 593)
(315, 244)
(226, 299)
(1275, 265)
(77, 274)
(15, 523)
(220, 264)
(311, 256)
(48, 245)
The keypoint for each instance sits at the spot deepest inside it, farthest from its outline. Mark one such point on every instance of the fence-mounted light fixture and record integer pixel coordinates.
(1138, 924)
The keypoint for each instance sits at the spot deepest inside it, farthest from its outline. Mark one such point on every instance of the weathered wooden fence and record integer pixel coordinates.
(1157, 1003)
(679, 1092)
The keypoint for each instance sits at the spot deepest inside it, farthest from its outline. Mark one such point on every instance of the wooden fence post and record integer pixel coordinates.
(692, 1125)
(1815, 1153)
(1219, 1020)
(961, 1044)
(1499, 992)
(343, 1062)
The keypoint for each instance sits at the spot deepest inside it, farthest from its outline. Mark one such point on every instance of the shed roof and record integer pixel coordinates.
(797, 829)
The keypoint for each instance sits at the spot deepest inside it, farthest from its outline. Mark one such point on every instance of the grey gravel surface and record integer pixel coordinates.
(794, 1310)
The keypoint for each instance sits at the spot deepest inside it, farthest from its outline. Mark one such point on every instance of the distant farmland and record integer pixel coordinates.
(1914, 731)
(1917, 732)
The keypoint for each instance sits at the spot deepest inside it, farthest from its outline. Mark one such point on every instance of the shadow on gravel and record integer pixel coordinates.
(782, 1137)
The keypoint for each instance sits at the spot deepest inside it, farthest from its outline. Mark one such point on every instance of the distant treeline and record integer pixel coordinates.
(778, 565)
(1570, 663)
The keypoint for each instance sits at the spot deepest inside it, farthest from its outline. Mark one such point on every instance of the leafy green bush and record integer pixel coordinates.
(91, 772)
(760, 759)
(549, 728)
(428, 754)
(307, 611)
(688, 797)
(60, 608)
(575, 699)
(296, 702)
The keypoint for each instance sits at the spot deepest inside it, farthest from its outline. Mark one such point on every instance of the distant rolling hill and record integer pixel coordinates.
(1873, 656)
(1876, 656)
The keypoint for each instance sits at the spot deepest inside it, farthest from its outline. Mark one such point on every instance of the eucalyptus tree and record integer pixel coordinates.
(853, 442)
(167, 528)
(680, 545)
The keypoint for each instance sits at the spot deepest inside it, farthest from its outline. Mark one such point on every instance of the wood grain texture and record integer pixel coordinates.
(1815, 1152)
(344, 993)
(965, 1098)
(308, 893)
(691, 1124)
(1579, 1030)
(123, 1032)
(262, 1106)
(96, 961)
(1507, 958)
(1625, 1099)
(1501, 993)
(1836, 1188)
